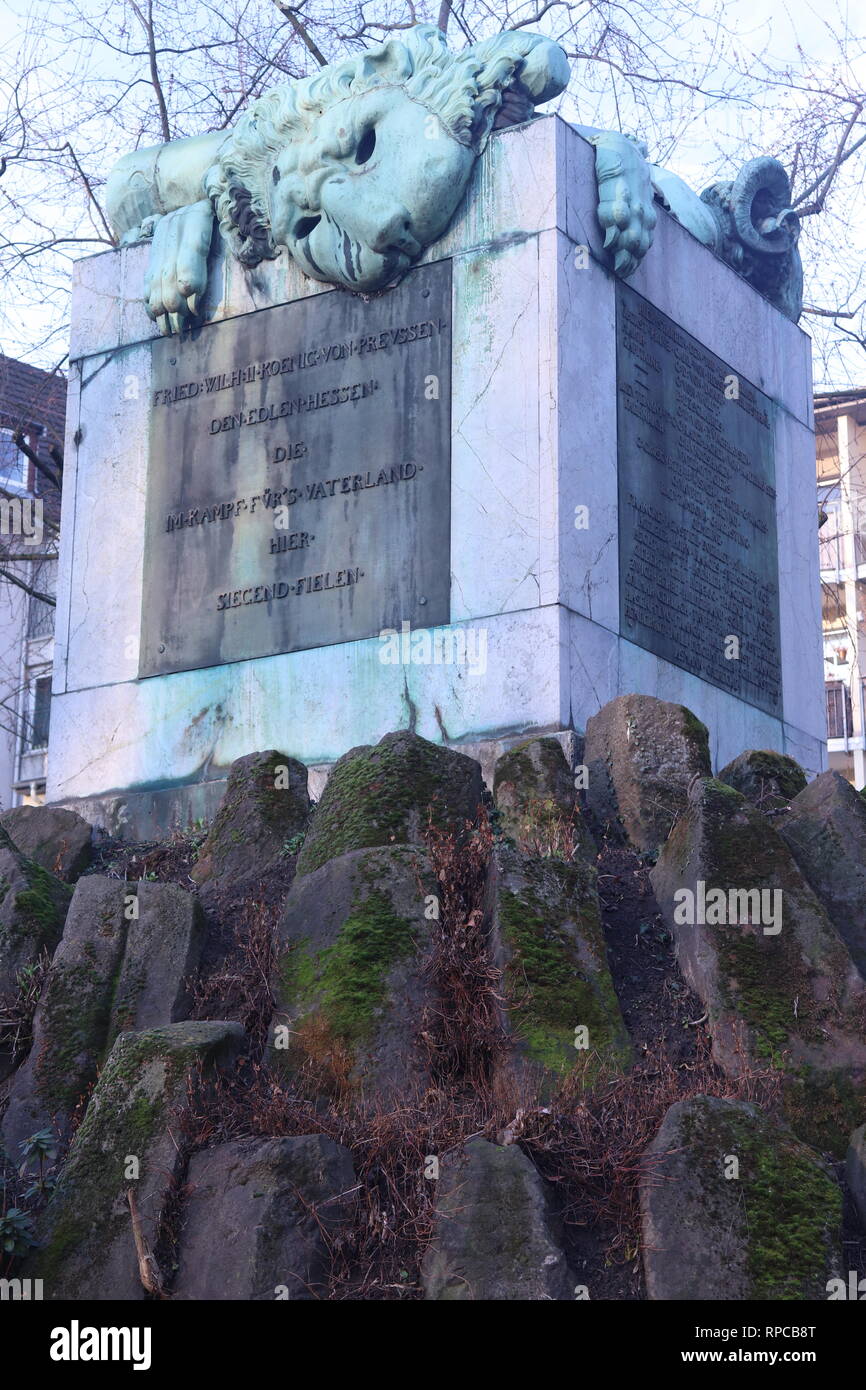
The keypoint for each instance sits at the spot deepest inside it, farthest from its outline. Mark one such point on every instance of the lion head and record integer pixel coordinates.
(359, 168)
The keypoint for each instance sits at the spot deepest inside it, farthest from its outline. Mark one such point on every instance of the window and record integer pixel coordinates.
(833, 611)
(830, 537)
(838, 710)
(40, 616)
(41, 712)
(13, 464)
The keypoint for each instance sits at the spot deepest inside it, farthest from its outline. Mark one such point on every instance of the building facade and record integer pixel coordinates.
(840, 429)
(32, 413)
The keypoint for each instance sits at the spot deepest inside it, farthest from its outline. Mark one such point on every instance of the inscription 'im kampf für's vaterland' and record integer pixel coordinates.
(698, 556)
(299, 486)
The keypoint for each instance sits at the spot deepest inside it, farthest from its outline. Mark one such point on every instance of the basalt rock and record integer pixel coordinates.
(825, 830)
(534, 792)
(497, 1236)
(70, 1026)
(385, 795)
(164, 941)
(265, 808)
(33, 906)
(855, 1171)
(757, 946)
(560, 1003)
(734, 1207)
(769, 780)
(350, 990)
(60, 841)
(257, 1218)
(126, 1142)
(641, 756)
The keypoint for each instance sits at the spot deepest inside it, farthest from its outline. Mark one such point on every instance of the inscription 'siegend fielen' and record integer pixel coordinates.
(299, 483)
(698, 554)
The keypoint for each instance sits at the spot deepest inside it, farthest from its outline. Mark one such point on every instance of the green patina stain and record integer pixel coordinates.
(793, 1209)
(347, 982)
(557, 976)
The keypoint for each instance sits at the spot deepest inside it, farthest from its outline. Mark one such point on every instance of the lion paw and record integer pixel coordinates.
(625, 200)
(177, 271)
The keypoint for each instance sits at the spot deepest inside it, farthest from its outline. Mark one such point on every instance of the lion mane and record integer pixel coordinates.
(463, 89)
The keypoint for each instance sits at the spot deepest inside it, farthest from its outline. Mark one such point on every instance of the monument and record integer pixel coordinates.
(400, 405)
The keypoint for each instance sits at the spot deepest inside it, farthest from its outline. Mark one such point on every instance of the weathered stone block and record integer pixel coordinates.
(130, 1127)
(641, 755)
(855, 1171)
(496, 1234)
(350, 989)
(734, 1207)
(70, 1027)
(60, 841)
(33, 905)
(534, 791)
(164, 942)
(556, 979)
(255, 1218)
(264, 807)
(767, 779)
(757, 947)
(383, 795)
(825, 830)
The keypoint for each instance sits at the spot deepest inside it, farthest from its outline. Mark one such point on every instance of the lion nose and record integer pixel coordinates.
(395, 234)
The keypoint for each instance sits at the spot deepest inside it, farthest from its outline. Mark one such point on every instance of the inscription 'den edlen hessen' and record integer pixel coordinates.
(299, 482)
(698, 558)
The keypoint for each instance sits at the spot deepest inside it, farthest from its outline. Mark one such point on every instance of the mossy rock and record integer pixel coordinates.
(33, 907)
(70, 1027)
(164, 942)
(350, 986)
(133, 1118)
(734, 1207)
(549, 942)
(386, 794)
(265, 808)
(777, 981)
(497, 1236)
(641, 757)
(60, 841)
(825, 830)
(855, 1171)
(768, 779)
(534, 793)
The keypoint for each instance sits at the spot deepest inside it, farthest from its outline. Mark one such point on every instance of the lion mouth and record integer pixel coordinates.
(329, 253)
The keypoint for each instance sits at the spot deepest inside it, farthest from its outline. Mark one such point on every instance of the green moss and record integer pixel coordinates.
(347, 981)
(824, 1108)
(698, 733)
(769, 979)
(41, 908)
(372, 797)
(557, 977)
(792, 1208)
(124, 1124)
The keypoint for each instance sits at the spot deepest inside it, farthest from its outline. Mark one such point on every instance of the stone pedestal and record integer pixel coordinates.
(536, 641)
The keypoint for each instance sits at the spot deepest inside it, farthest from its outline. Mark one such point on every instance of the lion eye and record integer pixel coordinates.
(276, 174)
(366, 146)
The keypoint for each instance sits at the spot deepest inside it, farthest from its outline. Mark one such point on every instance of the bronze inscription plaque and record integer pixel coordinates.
(299, 482)
(698, 558)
